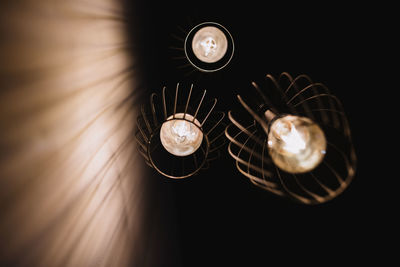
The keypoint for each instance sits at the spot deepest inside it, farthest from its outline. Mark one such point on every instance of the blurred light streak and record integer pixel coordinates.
(71, 189)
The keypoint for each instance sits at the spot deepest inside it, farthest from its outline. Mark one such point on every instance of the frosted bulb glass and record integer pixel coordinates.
(209, 44)
(296, 144)
(181, 137)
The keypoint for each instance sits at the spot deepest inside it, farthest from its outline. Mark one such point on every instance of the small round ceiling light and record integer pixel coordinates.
(209, 47)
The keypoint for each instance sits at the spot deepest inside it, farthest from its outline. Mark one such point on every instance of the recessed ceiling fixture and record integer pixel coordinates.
(296, 141)
(180, 135)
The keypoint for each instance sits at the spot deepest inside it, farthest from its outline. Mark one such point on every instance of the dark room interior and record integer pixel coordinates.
(219, 217)
(214, 218)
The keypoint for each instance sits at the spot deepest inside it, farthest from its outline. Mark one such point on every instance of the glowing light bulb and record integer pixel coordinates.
(209, 44)
(296, 144)
(179, 136)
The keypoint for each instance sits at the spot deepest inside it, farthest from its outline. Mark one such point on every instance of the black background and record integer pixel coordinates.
(218, 217)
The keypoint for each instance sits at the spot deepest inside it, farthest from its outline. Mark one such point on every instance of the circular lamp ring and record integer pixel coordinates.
(209, 47)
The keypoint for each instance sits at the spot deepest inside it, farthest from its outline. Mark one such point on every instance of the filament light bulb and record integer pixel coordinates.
(209, 44)
(181, 137)
(296, 144)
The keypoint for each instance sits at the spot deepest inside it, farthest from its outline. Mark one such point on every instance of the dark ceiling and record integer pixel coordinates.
(218, 216)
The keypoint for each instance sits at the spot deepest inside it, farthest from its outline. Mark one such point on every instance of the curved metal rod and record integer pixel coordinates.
(217, 123)
(239, 144)
(242, 146)
(252, 113)
(286, 75)
(331, 102)
(308, 192)
(255, 168)
(312, 86)
(322, 185)
(250, 158)
(153, 109)
(293, 83)
(241, 149)
(217, 155)
(269, 103)
(216, 148)
(243, 129)
(292, 194)
(187, 102)
(176, 99)
(143, 153)
(262, 159)
(198, 107)
(208, 114)
(145, 120)
(323, 113)
(140, 141)
(279, 89)
(275, 191)
(142, 131)
(350, 167)
(217, 137)
(164, 104)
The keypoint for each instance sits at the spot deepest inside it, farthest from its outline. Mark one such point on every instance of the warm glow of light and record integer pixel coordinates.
(293, 140)
(296, 144)
(181, 137)
(209, 44)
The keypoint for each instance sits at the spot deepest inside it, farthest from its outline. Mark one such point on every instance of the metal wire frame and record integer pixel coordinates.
(164, 108)
(298, 96)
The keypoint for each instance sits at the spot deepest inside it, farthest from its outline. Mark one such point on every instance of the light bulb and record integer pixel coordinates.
(209, 44)
(179, 136)
(296, 144)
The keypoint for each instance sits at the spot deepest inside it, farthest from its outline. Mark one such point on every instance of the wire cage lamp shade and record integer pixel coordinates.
(180, 133)
(293, 139)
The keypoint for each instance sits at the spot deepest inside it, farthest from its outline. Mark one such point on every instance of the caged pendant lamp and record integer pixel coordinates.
(179, 135)
(294, 141)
